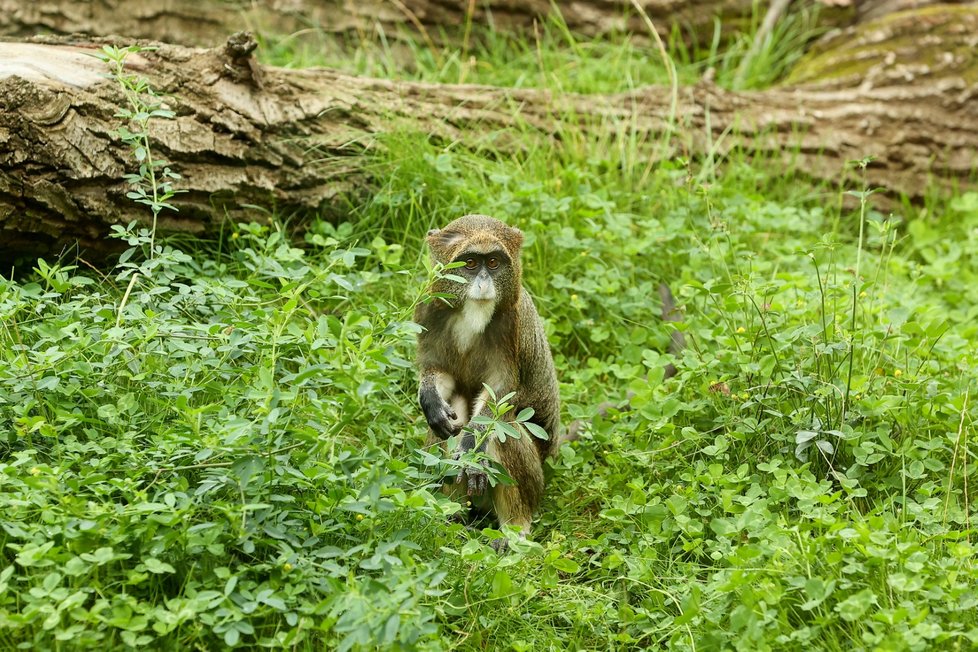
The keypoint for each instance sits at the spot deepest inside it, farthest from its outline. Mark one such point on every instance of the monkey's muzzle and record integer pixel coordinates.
(483, 288)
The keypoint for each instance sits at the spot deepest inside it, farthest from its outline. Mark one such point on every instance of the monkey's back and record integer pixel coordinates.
(537, 385)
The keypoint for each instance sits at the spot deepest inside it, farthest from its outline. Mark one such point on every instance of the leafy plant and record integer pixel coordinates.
(496, 425)
(218, 444)
(153, 184)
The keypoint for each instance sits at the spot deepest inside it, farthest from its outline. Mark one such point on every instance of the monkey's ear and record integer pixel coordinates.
(515, 238)
(440, 240)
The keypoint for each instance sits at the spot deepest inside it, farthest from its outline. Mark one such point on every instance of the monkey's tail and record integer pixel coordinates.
(676, 344)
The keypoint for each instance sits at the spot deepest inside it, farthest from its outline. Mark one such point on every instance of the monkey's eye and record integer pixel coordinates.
(470, 263)
(492, 263)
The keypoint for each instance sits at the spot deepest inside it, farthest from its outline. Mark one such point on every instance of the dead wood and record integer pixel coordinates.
(209, 22)
(295, 139)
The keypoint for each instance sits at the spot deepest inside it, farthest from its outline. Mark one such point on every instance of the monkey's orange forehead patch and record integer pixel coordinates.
(452, 244)
(476, 234)
(483, 243)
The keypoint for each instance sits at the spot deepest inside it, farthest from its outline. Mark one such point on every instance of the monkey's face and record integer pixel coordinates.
(481, 270)
(489, 253)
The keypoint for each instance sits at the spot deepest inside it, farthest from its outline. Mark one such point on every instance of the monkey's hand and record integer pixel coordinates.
(439, 414)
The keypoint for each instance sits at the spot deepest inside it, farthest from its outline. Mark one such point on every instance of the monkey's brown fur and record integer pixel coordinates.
(510, 354)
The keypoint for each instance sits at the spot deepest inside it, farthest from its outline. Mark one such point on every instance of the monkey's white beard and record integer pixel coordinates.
(471, 321)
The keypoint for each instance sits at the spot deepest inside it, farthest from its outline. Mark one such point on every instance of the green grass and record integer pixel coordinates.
(227, 453)
(551, 56)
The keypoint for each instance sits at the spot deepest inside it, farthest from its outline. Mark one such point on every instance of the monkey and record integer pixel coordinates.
(488, 333)
(677, 343)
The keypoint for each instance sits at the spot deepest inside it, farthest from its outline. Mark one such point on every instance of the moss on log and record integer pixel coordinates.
(921, 46)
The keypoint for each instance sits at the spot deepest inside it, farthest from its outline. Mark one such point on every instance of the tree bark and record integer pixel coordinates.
(209, 22)
(929, 46)
(295, 139)
(867, 10)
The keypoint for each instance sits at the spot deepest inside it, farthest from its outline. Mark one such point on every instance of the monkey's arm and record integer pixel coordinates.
(434, 394)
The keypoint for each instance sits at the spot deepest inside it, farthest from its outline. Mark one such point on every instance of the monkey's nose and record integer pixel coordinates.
(483, 289)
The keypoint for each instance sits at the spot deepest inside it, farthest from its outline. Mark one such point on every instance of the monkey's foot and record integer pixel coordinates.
(500, 545)
(476, 481)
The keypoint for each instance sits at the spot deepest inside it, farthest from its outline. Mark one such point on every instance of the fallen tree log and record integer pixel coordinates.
(867, 10)
(209, 22)
(294, 139)
(925, 46)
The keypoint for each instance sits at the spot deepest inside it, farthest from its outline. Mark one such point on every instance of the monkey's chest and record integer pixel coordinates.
(478, 351)
(469, 325)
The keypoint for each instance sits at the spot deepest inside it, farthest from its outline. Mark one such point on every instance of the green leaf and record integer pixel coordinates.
(856, 605)
(502, 584)
(805, 435)
(724, 527)
(536, 430)
(5, 575)
(101, 556)
(34, 555)
(154, 565)
(817, 591)
(500, 431)
(825, 446)
(565, 565)
(366, 388)
(390, 629)
(676, 504)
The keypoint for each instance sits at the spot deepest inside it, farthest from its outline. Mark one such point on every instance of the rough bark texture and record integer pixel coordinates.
(931, 47)
(867, 10)
(293, 138)
(209, 22)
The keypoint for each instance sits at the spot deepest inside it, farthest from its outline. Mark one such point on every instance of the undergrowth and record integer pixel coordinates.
(552, 56)
(217, 444)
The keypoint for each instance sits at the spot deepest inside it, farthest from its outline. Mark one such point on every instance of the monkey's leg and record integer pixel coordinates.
(511, 509)
(474, 479)
(514, 504)
(450, 485)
